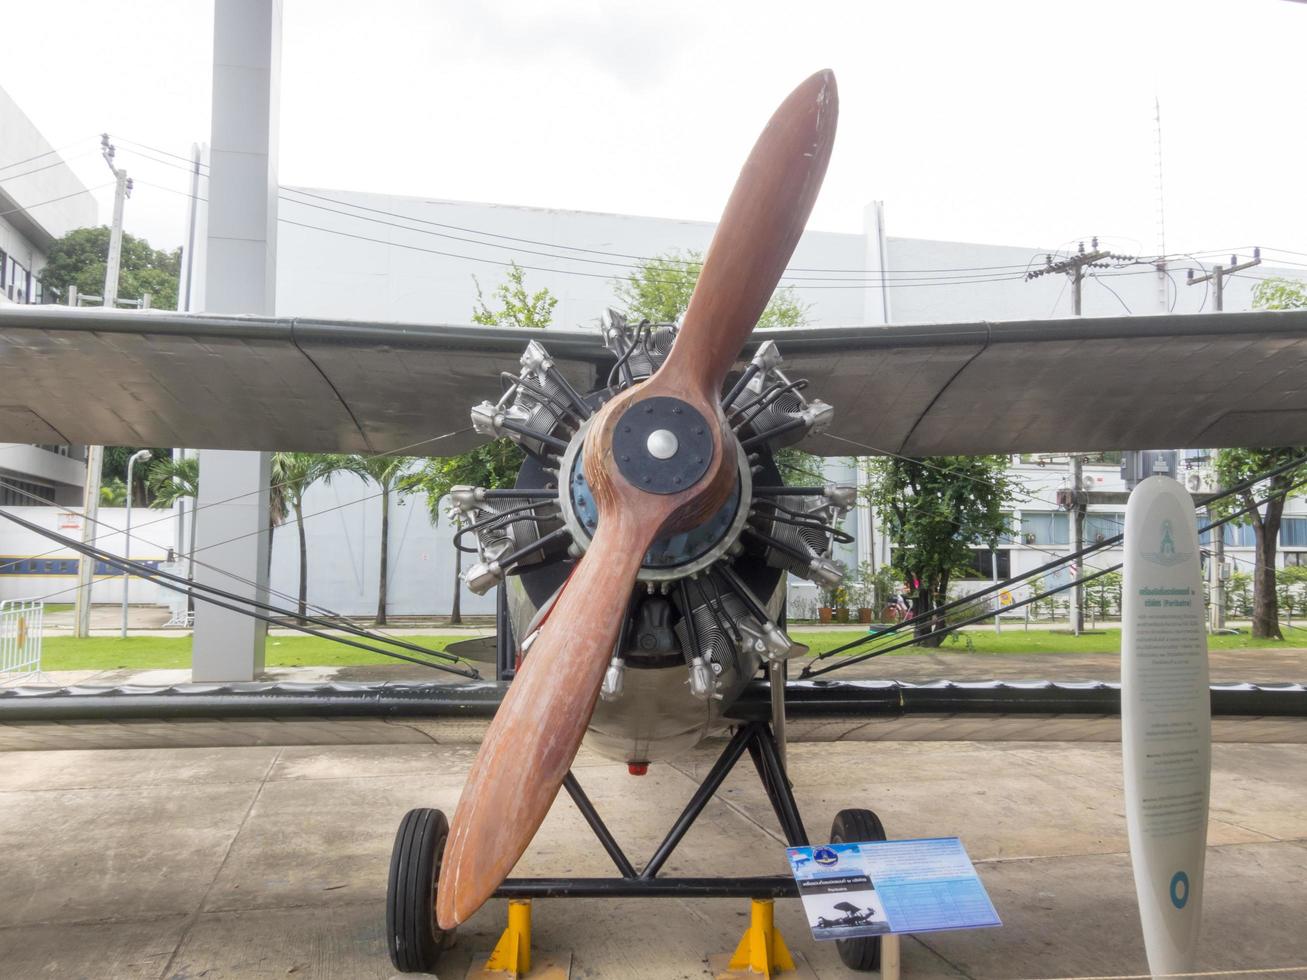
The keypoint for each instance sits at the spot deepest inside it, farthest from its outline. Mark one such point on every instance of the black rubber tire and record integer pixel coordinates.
(412, 936)
(851, 826)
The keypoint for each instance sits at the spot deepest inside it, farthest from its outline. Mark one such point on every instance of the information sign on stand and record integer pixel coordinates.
(879, 887)
(1166, 721)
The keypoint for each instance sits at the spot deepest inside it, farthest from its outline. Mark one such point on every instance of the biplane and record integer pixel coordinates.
(641, 558)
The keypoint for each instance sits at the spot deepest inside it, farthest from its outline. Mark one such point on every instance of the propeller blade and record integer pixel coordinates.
(534, 736)
(760, 227)
(536, 732)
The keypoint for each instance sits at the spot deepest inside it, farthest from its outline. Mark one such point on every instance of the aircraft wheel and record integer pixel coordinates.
(851, 826)
(412, 935)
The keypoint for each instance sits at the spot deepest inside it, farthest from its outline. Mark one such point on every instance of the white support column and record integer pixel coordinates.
(876, 307)
(240, 248)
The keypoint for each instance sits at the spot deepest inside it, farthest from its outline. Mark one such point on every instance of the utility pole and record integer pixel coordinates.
(122, 191)
(1074, 269)
(95, 454)
(1075, 502)
(1216, 567)
(1075, 266)
(1220, 273)
(90, 514)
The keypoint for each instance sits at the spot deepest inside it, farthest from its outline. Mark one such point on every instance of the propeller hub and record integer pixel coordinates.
(662, 445)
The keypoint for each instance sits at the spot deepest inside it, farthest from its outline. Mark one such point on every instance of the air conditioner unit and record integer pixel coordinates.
(1029, 538)
(1100, 537)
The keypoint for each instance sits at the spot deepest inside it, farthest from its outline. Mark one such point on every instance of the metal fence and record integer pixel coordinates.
(20, 638)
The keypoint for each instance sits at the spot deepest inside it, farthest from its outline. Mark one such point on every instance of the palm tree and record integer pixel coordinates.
(292, 475)
(113, 493)
(493, 465)
(171, 480)
(386, 473)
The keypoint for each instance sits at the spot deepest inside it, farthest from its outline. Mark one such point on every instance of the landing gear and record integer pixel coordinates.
(414, 939)
(852, 826)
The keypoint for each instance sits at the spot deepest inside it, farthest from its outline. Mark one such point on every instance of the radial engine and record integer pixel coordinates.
(707, 612)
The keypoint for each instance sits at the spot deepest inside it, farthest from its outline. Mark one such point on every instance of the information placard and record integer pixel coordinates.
(868, 889)
(1166, 721)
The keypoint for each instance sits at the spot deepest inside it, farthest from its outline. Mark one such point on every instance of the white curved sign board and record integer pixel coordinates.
(1166, 719)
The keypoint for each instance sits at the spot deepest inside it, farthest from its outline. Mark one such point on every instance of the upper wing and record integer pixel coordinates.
(237, 382)
(234, 382)
(1102, 383)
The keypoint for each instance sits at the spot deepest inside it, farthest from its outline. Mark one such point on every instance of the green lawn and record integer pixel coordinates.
(154, 652)
(1017, 640)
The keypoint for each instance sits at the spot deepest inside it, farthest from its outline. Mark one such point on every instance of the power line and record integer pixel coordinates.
(1074, 268)
(38, 156)
(53, 200)
(1219, 273)
(48, 166)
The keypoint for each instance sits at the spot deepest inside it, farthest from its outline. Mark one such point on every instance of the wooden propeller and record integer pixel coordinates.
(536, 732)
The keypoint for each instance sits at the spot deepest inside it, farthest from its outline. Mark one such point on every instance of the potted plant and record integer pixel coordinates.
(829, 600)
(862, 592)
(841, 605)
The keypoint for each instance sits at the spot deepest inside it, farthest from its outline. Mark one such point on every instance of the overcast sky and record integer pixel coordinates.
(1021, 123)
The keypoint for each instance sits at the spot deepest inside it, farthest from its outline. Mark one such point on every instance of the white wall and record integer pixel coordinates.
(152, 535)
(343, 531)
(397, 276)
(20, 139)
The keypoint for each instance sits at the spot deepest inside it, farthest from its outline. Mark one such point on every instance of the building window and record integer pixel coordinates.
(20, 493)
(1239, 535)
(1100, 527)
(1293, 532)
(983, 561)
(1048, 528)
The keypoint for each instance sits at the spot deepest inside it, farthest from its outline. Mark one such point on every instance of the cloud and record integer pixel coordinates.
(636, 46)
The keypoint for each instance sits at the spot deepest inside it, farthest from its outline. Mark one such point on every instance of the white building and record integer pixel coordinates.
(372, 256)
(384, 258)
(41, 199)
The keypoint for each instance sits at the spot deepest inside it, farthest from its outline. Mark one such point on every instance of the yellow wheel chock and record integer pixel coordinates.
(512, 954)
(761, 949)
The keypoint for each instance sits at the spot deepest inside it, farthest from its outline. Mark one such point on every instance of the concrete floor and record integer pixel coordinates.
(268, 861)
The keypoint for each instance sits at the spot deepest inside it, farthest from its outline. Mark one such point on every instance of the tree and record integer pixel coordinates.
(1236, 465)
(1238, 599)
(80, 257)
(492, 466)
(1104, 593)
(495, 464)
(387, 473)
(174, 479)
(115, 470)
(1291, 589)
(292, 475)
(935, 511)
(113, 492)
(517, 306)
(660, 287)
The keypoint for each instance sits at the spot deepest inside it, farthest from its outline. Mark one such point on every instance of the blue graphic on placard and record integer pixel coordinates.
(825, 857)
(1179, 889)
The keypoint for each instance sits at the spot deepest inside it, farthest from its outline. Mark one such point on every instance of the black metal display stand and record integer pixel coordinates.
(757, 739)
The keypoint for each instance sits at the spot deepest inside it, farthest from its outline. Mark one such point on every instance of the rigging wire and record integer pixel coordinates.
(934, 614)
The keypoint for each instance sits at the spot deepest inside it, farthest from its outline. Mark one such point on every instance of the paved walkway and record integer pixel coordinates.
(270, 862)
